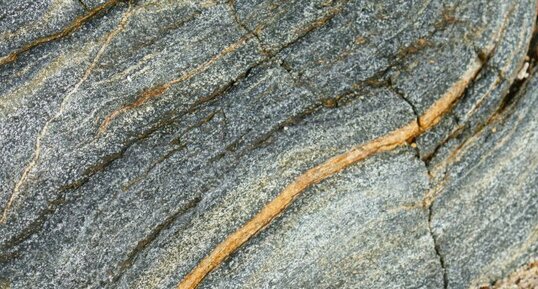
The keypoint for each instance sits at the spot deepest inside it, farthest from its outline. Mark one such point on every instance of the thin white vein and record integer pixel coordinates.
(37, 150)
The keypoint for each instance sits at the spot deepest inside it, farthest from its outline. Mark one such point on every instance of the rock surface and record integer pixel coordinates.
(136, 136)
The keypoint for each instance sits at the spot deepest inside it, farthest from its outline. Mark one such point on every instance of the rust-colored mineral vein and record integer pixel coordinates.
(73, 26)
(330, 167)
(158, 90)
(37, 150)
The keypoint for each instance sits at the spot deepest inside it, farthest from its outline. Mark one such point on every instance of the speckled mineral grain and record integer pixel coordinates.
(268, 144)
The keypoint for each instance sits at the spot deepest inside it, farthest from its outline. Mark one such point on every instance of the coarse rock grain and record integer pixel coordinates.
(136, 136)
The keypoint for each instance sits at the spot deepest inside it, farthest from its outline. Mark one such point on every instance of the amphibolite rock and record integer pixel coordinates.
(268, 144)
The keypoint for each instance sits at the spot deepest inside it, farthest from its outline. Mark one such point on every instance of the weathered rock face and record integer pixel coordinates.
(151, 144)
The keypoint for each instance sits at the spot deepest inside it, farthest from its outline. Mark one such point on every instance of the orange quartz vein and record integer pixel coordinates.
(334, 165)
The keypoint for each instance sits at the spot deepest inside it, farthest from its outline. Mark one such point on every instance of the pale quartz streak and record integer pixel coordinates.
(66, 99)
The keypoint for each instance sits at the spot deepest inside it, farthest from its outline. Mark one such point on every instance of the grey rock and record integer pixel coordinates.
(492, 181)
(135, 136)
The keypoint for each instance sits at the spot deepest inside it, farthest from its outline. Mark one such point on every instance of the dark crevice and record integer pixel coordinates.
(165, 31)
(437, 247)
(300, 83)
(464, 129)
(265, 58)
(36, 225)
(60, 199)
(72, 27)
(453, 135)
(290, 121)
(237, 19)
(402, 96)
(86, 8)
(511, 98)
(426, 161)
(459, 130)
(239, 147)
(258, 142)
(519, 84)
(376, 80)
(507, 102)
(152, 236)
(502, 110)
(179, 145)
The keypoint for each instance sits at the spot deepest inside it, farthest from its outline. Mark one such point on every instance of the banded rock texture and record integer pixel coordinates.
(267, 144)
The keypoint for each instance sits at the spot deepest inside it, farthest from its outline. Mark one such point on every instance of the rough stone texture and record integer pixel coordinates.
(525, 277)
(498, 171)
(136, 135)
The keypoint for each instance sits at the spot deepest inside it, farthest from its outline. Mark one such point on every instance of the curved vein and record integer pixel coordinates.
(334, 165)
